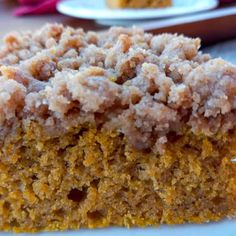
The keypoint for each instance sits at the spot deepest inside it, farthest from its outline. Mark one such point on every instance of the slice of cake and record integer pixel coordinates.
(116, 128)
(139, 3)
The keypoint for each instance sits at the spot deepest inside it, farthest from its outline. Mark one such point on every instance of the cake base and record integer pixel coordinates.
(92, 178)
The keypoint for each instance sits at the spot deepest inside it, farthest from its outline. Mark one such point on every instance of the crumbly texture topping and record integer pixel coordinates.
(142, 85)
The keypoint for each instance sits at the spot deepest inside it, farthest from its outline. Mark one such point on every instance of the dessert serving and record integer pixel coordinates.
(118, 128)
(139, 4)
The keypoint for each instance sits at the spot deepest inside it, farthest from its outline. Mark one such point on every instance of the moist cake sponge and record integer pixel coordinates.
(117, 128)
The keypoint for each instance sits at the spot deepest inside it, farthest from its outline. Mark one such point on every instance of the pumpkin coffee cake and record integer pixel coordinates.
(139, 3)
(115, 128)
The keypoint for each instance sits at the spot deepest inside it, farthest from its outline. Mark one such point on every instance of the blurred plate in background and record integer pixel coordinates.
(223, 228)
(97, 10)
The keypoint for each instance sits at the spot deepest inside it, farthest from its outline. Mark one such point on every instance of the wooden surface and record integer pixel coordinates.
(225, 49)
(211, 26)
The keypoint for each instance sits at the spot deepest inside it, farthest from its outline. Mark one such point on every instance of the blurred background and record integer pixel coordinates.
(214, 21)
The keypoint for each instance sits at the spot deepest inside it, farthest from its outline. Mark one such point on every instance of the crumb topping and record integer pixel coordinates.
(142, 85)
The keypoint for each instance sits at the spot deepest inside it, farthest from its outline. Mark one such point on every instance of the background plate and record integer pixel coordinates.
(97, 9)
(224, 228)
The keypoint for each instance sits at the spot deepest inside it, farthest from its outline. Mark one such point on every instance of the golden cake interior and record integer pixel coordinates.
(92, 178)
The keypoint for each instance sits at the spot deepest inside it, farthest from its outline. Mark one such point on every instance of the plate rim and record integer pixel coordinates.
(116, 14)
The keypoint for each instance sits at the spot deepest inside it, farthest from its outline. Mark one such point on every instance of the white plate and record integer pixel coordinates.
(224, 228)
(97, 9)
